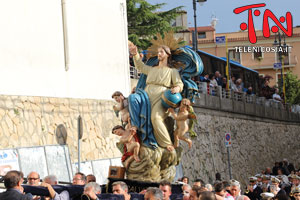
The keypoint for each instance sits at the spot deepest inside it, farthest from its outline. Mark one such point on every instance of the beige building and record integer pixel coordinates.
(259, 56)
(238, 42)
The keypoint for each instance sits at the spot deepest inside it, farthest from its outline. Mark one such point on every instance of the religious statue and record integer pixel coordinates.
(182, 127)
(131, 144)
(121, 108)
(169, 67)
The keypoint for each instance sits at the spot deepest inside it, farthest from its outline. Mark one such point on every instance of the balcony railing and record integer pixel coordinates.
(134, 73)
(241, 103)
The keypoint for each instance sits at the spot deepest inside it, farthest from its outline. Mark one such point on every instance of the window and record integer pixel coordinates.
(278, 77)
(285, 57)
(257, 54)
(235, 56)
(201, 35)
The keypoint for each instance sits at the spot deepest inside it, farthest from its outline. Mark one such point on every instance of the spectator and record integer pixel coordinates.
(186, 190)
(275, 168)
(253, 191)
(207, 195)
(185, 179)
(119, 187)
(195, 192)
(221, 192)
(232, 85)
(239, 85)
(266, 90)
(235, 191)
(218, 78)
(288, 166)
(268, 171)
(276, 95)
(296, 193)
(265, 183)
(249, 91)
(90, 178)
(198, 182)
(224, 82)
(166, 188)
(14, 191)
(209, 187)
(153, 193)
(204, 78)
(259, 179)
(274, 188)
(218, 177)
(295, 181)
(91, 190)
(213, 81)
(284, 183)
(33, 179)
(52, 180)
(79, 179)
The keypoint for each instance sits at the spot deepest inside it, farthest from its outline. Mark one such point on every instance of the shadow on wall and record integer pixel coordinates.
(61, 134)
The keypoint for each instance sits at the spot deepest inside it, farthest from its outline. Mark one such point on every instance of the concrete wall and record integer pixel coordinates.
(32, 61)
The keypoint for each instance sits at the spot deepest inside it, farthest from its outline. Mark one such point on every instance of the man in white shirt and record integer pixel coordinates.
(52, 180)
(276, 95)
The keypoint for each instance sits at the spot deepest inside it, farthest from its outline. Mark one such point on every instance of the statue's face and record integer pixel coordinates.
(118, 98)
(162, 55)
(118, 132)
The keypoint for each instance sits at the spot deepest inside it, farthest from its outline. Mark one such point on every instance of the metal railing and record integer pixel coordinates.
(242, 103)
(134, 73)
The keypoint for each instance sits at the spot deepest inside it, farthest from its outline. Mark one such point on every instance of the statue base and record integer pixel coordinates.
(155, 165)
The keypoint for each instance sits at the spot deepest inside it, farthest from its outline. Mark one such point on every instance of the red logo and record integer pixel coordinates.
(268, 14)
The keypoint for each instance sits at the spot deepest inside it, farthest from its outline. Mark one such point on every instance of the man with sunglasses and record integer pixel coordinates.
(33, 179)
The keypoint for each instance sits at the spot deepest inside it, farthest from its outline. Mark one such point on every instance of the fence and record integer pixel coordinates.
(221, 99)
(54, 160)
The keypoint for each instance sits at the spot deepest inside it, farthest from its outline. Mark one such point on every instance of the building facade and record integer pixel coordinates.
(260, 56)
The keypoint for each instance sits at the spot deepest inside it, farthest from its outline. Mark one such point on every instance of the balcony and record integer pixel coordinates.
(240, 103)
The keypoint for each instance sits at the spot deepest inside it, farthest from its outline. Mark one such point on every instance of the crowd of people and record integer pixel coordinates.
(237, 85)
(282, 182)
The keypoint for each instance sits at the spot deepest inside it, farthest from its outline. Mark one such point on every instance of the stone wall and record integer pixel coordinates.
(35, 121)
(256, 144)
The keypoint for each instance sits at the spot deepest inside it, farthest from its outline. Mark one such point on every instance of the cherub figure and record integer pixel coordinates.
(185, 112)
(122, 107)
(131, 144)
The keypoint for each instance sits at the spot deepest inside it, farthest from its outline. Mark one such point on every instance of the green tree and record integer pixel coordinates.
(144, 21)
(292, 88)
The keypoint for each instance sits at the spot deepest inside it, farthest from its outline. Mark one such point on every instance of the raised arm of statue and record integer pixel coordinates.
(138, 63)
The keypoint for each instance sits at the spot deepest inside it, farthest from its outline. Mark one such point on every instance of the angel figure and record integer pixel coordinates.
(122, 108)
(131, 144)
(185, 112)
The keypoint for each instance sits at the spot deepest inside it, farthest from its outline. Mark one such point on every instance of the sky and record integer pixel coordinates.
(223, 10)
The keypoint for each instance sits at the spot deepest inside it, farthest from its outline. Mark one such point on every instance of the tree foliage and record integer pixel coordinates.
(144, 21)
(292, 88)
